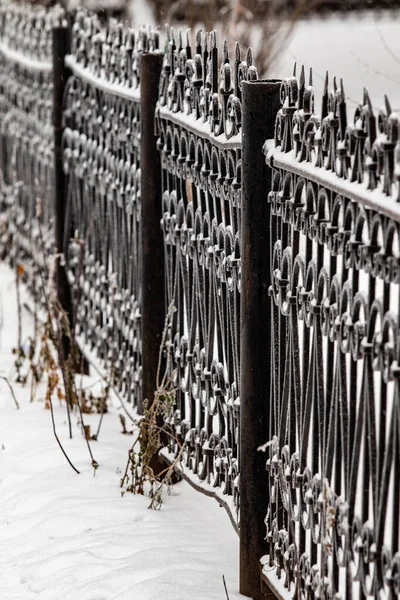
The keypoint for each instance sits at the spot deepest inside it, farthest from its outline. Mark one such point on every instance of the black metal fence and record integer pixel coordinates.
(177, 184)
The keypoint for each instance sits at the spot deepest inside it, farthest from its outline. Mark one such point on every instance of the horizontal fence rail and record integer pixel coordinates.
(334, 437)
(187, 201)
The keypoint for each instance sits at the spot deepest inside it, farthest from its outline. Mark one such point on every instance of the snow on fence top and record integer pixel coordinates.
(108, 56)
(358, 157)
(26, 33)
(201, 92)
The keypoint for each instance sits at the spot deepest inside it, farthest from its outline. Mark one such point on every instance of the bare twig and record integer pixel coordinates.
(57, 438)
(4, 378)
(226, 589)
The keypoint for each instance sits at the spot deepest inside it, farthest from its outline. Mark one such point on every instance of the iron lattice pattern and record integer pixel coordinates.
(334, 450)
(102, 164)
(199, 119)
(26, 132)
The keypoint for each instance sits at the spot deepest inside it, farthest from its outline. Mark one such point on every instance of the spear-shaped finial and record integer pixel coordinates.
(225, 52)
(302, 77)
(249, 57)
(342, 92)
(237, 52)
(387, 106)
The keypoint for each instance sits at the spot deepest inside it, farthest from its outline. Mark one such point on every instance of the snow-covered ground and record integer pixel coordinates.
(73, 537)
(363, 48)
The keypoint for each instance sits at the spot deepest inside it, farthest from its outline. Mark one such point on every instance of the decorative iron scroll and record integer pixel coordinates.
(26, 132)
(102, 164)
(199, 118)
(334, 441)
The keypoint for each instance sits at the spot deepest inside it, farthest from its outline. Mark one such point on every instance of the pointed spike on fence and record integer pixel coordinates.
(168, 30)
(310, 78)
(249, 57)
(294, 69)
(206, 41)
(334, 85)
(368, 101)
(387, 106)
(225, 51)
(326, 84)
(213, 39)
(187, 36)
(180, 40)
(302, 76)
(198, 37)
(342, 92)
(365, 96)
(237, 52)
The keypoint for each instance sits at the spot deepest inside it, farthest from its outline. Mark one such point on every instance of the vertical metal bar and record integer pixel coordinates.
(61, 47)
(261, 102)
(152, 289)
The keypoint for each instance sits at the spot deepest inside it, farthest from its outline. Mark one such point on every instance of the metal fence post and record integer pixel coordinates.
(152, 301)
(61, 47)
(261, 102)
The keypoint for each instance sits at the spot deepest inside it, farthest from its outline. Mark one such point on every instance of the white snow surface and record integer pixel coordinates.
(362, 47)
(74, 537)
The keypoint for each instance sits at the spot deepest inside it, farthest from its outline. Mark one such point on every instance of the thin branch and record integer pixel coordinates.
(57, 438)
(11, 390)
(386, 46)
(226, 589)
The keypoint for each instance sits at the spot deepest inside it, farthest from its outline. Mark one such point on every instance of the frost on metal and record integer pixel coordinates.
(333, 511)
(101, 150)
(108, 56)
(26, 159)
(199, 123)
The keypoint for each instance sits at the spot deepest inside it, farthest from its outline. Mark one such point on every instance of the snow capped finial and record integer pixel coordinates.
(198, 37)
(213, 39)
(237, 52)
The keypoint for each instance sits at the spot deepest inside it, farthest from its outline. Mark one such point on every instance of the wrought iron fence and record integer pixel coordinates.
(281, 280)
(101, 150)
(333, 508)
(199, 120)
(26, 88)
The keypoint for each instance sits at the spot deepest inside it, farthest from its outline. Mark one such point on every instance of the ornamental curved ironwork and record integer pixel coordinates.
(199, 127)
(26, 132)
(334, 452)
(101, 149)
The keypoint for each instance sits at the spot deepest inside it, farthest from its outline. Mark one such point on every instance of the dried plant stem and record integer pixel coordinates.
(57, 438)
(4, 378)
(19, 315)
(226, 589)
(95, 464)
